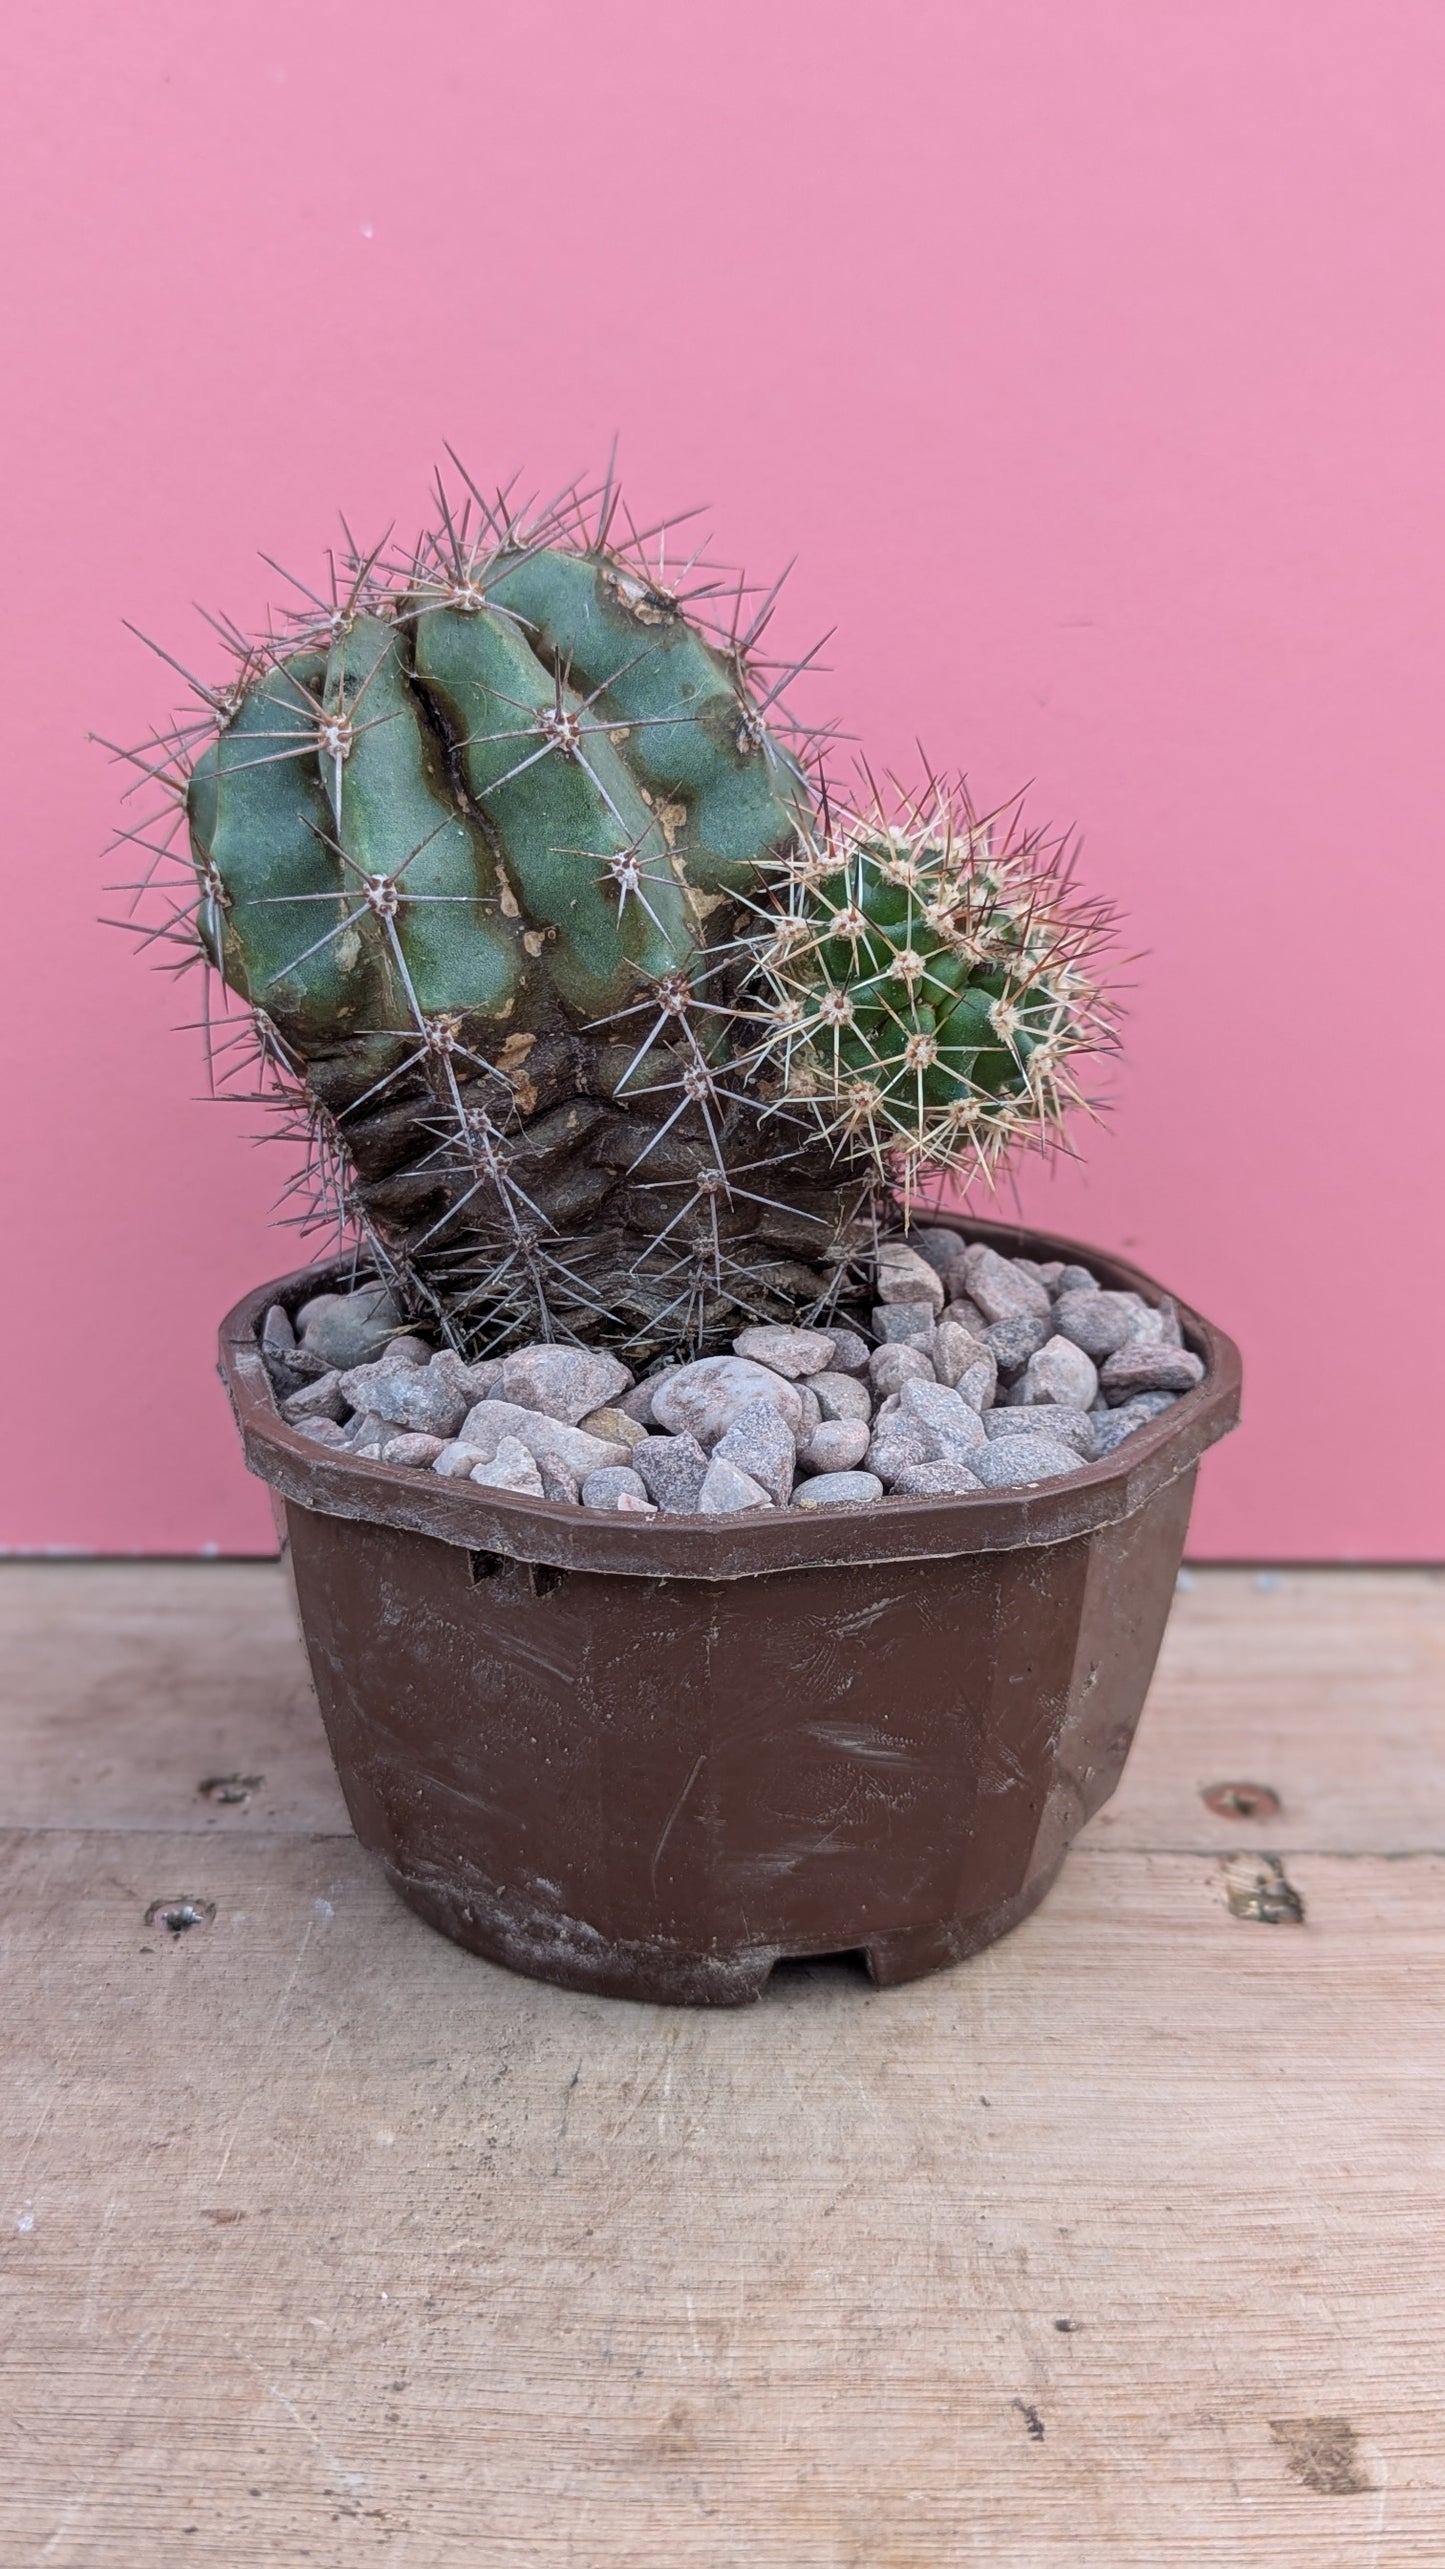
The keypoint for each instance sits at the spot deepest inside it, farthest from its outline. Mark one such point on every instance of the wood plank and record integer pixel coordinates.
(326, 2242)
(129, 1684)
(775, 2288)
(1327, 1685)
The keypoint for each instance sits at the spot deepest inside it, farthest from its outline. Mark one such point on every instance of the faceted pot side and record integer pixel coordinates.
(653, 1758)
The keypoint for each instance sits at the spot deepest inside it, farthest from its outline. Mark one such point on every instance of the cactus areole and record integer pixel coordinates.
(603, 1016)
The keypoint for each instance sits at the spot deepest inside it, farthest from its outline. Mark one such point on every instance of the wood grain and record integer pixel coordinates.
(129, 1684)
(321, 2241)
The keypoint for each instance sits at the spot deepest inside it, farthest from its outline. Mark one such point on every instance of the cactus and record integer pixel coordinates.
(933, 980)
(469, 847)
(597, 1021)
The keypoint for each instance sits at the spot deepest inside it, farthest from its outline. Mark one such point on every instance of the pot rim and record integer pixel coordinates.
(739, 1547)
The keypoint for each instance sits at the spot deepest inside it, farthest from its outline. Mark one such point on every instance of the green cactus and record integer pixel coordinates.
(595, 1021)
(934, 983)
(473, 852)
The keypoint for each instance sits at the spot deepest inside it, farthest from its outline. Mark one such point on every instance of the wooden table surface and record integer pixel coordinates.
(322, 2241)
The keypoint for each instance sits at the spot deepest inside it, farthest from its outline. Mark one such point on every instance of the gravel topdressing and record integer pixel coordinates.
(974, 1371)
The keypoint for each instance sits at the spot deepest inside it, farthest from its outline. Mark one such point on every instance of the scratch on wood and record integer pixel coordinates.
(568, 2093)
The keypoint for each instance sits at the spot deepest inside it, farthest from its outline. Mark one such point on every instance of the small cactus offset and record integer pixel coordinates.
(598, 1021)
(934, 985)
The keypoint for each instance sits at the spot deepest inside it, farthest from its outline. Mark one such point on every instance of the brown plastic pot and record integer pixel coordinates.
(654, 1759)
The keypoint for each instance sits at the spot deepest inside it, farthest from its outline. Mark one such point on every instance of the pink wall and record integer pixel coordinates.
(1085, 351)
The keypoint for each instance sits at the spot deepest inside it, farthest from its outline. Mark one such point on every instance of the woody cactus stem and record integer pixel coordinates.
(473, 847)
(933, 985)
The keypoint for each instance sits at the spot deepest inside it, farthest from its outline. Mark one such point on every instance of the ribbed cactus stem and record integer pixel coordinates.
(471, 849)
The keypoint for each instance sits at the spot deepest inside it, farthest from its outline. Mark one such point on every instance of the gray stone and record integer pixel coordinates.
(277, 1334)
(945, 1415)
(1116, 1424)
(1149, 1369)
(792, 1352)
(705, 1397)
(420, 1452)
(760, 1443)
(638, 1402)
(965, 1312)
(323, 1431)
(978, 1386)
(403, 1351)
(1098, 1322)
(367, 1434)
(672, 1470)
(958, 1357)
(474, 1382)
(511, 1467)
(728, 1492)
(346, 1329)
(561, 1382)
(898, 1443)
(943, 1249)
(1135, 1414)
(613, 1426)
(903, 1324)
(839, 1490)
(484, 1428)
(1111, 1430)
(1001, 1288)
(562, 1487)
(891, 1367)
(318, 1307)
(457, 1461)
(323, 1398)
(1012, 1342)
(289, 1371)
(902, 1276)
(1060, 1372)
(604, 1489)
(850, 1352)
(1146, 1405)
(839, 1445)
(810, 1409)
(839, 1396)
(1047, 1270)
(1148, 1320)
(415, 1397)
(945, 1480)
(1077, 1280)
(1064, 1426)
(1171, 1334)
(1016, 1460)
